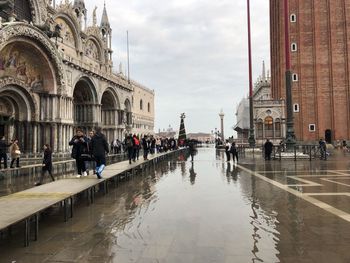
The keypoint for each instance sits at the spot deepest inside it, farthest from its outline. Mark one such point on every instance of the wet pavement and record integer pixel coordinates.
(205, 211)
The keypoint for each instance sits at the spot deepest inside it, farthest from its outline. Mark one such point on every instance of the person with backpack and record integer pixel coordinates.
(136, 148)
(129, 146)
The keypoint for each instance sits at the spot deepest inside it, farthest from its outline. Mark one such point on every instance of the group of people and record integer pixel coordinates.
(231, 149)
(87, 149)
(15, 152)
(149, 145)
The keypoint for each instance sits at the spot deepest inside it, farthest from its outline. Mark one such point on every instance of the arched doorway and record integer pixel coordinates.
(16, 112)
(110, 115)
(85, 106)
(268, 127)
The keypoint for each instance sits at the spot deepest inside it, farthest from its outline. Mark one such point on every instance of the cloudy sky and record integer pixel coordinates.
(193, 53)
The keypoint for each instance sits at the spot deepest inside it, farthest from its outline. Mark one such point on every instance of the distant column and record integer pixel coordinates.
(221, 114)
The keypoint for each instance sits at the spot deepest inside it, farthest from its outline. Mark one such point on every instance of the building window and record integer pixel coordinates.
(295, 77)
(312, 127)
(260, 129)
(278, 132)
(293, 18)
(296, 108)
(268, 127)
(294, 47)
(141, 105)
(149, 107)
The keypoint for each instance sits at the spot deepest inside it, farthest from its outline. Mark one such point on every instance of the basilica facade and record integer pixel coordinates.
(56, 74)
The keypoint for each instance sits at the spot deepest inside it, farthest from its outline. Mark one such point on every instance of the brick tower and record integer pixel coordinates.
(320, 43)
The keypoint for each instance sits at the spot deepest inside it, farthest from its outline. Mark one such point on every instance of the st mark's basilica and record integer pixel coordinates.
(56, 74)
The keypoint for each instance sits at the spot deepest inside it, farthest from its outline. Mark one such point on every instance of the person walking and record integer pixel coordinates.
(268, 146)
(192, 149)
(234, 152)
(129, 145)
(227, 150)
(323, 149)
(15, 153)
(89, 164)
(80, 146)
(136, 142)
(99, 148)
(47, 165)
(3, 149)
(145, 146)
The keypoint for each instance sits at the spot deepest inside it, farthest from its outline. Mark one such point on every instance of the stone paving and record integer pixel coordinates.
(205, 211)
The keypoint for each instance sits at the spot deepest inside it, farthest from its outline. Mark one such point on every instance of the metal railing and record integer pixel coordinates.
(279, 152)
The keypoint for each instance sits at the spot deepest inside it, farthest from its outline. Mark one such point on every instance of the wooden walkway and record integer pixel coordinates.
(27, 205)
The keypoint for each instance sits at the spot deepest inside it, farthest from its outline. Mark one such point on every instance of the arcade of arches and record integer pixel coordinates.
(52, 83)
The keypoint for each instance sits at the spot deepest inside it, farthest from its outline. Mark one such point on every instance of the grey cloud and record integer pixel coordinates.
(193, 53)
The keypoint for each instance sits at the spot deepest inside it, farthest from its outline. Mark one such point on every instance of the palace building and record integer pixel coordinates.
(56, 74)
(319, 45)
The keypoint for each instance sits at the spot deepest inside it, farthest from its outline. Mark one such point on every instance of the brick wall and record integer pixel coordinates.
(321, 32)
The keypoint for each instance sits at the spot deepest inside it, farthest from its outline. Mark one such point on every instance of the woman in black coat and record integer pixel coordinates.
(47, 164)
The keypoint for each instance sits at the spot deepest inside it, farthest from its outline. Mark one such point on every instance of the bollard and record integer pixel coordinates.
(295, 153)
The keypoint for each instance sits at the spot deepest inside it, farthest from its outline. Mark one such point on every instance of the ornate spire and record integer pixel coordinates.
(105, 21)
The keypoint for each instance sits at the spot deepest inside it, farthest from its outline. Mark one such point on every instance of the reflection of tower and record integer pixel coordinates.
(182, 131)
(221, 114)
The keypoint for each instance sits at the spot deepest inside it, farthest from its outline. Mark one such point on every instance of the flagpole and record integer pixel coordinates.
(127, 45)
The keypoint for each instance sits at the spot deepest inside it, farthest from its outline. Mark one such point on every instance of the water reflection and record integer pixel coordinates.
(202, 211)
(192, 174)
(163, 215)
(16, 180)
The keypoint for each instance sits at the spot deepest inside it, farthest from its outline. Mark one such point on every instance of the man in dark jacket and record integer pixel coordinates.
(3, 154)
(268, 146)
(99, 148)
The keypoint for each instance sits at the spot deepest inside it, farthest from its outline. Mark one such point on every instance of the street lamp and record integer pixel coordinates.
(251, 138)
(290, 137)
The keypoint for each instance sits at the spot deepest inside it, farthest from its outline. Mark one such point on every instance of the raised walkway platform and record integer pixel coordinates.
(27, 205)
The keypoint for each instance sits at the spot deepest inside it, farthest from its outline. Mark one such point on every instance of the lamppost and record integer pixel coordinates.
(290, 137)
(251, 138)
(222, 115)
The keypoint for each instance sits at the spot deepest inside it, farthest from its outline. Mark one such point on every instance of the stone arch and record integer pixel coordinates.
(24, 108)
(88, 85)
(28, 63)
(18, 32)
(85, 102)
(73, 26)
(17, 114)
(91, 43)
(111, 114)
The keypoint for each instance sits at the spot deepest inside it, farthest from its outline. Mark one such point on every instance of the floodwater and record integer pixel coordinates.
(192, 212)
